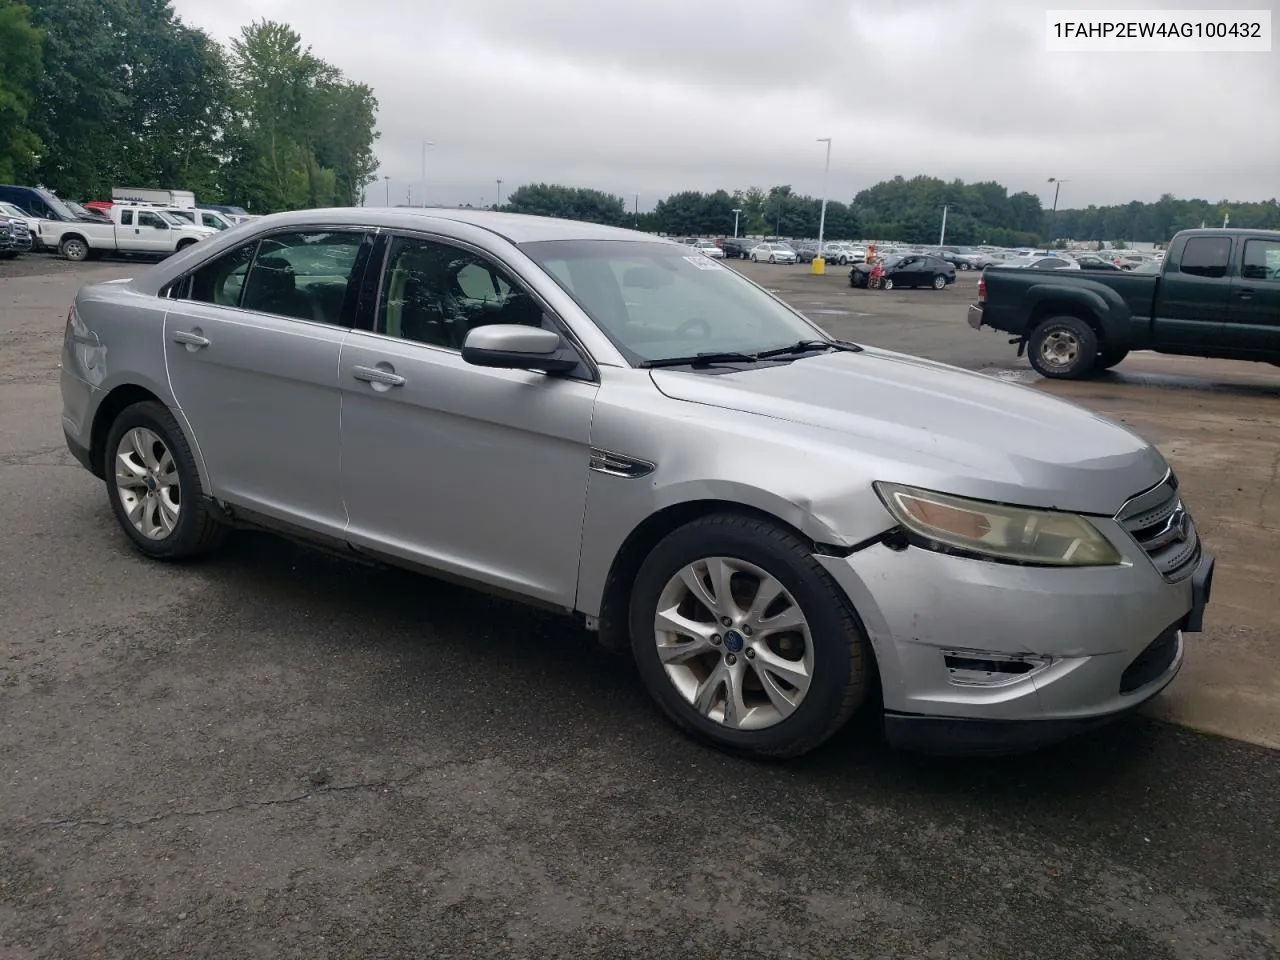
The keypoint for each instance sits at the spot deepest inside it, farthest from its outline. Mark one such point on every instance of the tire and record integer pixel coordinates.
(1063, 348)
(772, 258)
(965, 266)
(754, 258)
(835, 653)
(939, 282)
(182, 245)
(150, 428)
(74, 249)
(886, 283)
(1108, 357)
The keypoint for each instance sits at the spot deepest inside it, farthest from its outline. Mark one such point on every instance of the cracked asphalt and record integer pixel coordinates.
(276, 753)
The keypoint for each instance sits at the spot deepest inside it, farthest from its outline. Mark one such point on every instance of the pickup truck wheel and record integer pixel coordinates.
(1108, 357)
(744, 640)
(75, 249)
(1063, 348)
(183, 244)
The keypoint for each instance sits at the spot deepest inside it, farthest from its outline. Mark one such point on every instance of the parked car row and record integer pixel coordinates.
(154, 223)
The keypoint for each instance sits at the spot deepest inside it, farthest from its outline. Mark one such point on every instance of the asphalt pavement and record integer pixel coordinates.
(277, 753)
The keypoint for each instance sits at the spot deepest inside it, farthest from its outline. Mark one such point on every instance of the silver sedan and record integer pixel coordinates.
(779, 526)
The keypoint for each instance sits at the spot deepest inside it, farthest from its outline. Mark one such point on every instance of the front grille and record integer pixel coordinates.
(1163, 528)
(1154, 660)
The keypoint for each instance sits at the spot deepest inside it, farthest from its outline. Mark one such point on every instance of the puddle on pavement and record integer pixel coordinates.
(1176, 382)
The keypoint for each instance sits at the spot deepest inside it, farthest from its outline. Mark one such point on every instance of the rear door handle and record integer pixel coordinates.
(190, 339)
(377, 375)
(1246, 293)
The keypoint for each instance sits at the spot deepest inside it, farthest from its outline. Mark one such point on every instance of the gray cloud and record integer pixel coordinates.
(664, 95)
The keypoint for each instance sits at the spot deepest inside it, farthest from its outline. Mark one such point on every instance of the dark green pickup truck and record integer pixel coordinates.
(1217, 295)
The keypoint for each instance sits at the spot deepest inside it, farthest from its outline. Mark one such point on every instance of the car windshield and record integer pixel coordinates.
(9, 210)
(171, 218)
(655, 301)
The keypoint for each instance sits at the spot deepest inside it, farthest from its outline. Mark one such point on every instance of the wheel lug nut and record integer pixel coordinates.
(730, 659)
(715, 638)
(746, 631)
(726, 622)
(751, 654)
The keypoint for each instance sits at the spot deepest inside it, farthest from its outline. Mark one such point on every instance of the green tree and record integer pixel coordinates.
(20, 65)
(128, 95)
(574, 203)
(303, 134)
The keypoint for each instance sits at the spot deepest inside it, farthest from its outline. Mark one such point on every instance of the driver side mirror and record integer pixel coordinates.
(512, 346)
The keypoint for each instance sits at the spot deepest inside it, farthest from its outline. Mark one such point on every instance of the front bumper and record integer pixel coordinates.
(1104, 640)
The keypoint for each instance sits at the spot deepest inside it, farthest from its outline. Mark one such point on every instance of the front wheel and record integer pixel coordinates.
(1063, 348)
(772, 258)
(886, 283)
(754, 259)
(154, 486)
(744, 640)
(939, 282)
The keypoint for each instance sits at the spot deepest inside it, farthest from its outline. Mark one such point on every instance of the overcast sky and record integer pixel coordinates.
(652, 96)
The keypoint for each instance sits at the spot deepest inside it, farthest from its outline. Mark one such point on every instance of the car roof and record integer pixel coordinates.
(516, 227)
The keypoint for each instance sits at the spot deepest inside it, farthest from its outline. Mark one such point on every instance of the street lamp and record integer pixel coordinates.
(942, 237)
(425, 144)
(819, 262)
(386, 182)
(498, 203)
(1053, 217)
(736, 212)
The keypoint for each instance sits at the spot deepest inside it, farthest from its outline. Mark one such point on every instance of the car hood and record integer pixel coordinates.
(920, 422)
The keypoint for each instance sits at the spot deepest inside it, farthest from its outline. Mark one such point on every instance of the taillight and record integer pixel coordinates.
(982, 286)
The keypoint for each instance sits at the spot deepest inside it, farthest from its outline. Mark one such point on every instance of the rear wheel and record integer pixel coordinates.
(1063, 348)
(75, 249)
(154, 486)
(744, 640)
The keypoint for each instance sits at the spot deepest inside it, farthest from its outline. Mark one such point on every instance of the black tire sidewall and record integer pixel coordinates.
(187, 533)
(1085, 337)
(807, 583)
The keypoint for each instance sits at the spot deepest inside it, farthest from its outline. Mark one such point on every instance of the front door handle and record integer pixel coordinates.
(190, 339)
(1246, 293)
(377, 375)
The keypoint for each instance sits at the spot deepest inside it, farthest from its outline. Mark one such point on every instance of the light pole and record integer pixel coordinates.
(386, 182)
(1053, 217)
(942, 237)
(736, 212)
(498, 202)
(425, 144)
(819, 262)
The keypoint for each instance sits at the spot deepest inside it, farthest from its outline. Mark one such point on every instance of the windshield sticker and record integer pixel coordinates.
(703, 262)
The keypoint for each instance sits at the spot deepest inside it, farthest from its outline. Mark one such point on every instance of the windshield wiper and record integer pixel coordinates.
(703, 359)
(806, 346)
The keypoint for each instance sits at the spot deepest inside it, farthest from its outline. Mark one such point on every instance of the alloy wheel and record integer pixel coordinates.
(147, 483)
(734, 643)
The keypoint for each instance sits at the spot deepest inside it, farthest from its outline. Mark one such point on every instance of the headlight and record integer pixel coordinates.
(1015, 534)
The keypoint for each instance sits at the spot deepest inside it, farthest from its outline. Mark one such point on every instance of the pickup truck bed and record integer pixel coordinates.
(1217, 295)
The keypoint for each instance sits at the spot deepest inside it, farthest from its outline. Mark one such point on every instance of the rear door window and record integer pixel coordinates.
(1206, 257)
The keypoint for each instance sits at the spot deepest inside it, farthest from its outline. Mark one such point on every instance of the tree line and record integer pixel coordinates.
(96, 94)
(908, 210)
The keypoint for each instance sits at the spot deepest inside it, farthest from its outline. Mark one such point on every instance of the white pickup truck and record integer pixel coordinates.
(132, 230)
